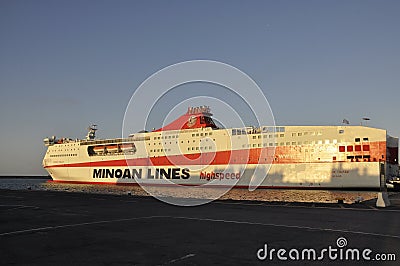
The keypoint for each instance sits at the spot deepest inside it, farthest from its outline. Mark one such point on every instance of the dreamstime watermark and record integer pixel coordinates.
(196, 159)
(334, 253)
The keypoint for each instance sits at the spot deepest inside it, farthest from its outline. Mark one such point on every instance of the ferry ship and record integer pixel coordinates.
(194, 151)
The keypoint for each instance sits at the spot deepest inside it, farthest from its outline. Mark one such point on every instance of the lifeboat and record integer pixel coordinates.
(99, 149)
(127, 147)
(112, 148)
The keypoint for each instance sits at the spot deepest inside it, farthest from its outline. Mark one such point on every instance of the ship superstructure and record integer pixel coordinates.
(193, 150)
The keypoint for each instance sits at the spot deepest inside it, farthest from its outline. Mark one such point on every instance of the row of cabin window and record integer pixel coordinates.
(294, 134)
(193, 135)
(290, 143)
(166, 137)
(160, 150)
(273, 129)
(201, 134)
(307, 133)
(245, 131)
(194, 140)
(351, 148)
(201, 148)
(65, 150)
(272, 144)
(159, 143)
(63, 155)
(361, 157)
(269, 136)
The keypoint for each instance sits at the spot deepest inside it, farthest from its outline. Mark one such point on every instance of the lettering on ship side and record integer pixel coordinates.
(157, 173)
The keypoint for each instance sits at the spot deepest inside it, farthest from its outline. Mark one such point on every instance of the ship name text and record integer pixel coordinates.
(157, 173)
(212, 175)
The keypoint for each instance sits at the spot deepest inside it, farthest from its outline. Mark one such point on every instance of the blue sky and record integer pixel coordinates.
(66, 64)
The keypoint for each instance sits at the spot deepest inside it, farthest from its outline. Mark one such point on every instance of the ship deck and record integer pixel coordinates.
(64, 228)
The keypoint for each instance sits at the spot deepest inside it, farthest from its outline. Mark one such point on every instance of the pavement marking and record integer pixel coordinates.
(180, 259)
(15, 207)
(9, 196)
(73, 225)
(197, 219)
(240, 203)
(288, 205)
(285, 226)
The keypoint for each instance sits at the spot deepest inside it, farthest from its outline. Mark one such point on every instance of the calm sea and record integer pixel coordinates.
(275, 195)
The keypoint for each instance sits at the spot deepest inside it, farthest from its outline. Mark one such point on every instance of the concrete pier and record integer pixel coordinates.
(64, 228)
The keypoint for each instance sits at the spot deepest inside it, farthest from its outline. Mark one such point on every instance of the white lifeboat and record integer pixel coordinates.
(99, 149)
(127, 147)
(112, 148)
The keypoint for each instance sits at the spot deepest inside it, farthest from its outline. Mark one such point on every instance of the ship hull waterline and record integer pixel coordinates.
(339, 175)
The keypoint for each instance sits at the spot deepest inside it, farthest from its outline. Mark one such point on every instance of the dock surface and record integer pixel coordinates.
(64, 228)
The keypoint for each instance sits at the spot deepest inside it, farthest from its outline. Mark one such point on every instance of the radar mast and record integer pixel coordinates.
(91, 135)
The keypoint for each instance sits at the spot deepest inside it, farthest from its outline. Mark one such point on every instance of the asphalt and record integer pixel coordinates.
(65, 228)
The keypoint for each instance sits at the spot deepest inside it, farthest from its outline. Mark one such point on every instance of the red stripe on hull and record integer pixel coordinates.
(282, 155)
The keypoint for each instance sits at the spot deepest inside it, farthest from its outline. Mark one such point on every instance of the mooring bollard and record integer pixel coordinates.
(383, 200)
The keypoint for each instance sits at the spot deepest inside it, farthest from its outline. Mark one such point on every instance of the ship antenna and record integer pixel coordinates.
(91, 135)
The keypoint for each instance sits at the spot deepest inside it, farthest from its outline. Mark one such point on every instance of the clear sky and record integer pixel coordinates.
(66, 64)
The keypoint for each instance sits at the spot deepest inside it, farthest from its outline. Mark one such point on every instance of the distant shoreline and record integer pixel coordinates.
(25, 177)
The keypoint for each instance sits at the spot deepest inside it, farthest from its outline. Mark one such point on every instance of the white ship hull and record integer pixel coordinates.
(307, 175)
